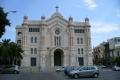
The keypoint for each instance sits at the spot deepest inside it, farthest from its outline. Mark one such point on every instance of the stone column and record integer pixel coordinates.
(52, 60)
(72, 59)
(42, 61)
(65, 60)
(90, 62)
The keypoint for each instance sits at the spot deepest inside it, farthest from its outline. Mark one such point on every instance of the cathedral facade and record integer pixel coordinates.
(55, 41)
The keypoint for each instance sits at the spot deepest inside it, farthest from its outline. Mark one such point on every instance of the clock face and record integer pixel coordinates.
(57, 31)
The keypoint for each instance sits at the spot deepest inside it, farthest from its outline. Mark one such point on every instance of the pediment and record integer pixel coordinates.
(57, 19)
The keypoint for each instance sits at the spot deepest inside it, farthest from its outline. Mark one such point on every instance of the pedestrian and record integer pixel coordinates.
(31, 69)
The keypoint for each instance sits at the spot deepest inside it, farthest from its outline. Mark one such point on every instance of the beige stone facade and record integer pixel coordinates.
(55, 41)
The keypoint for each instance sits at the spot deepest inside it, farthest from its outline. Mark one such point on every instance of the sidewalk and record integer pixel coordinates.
(38, 69)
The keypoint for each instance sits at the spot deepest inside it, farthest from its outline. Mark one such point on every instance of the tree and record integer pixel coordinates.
(5, 51)
(15, 52)
(117, 60)
(3, 21)
(11, 52)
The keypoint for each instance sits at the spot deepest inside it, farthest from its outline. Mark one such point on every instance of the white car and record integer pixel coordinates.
(103, 66)
(116, 68)
(60, 69)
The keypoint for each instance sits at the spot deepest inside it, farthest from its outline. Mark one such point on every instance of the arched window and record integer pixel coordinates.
(78, 31)
(57, 40)
(31, 39)
(35, 39)
(81, 40)
(35, 50)
(77, 40)
(82, 51)
(30, 29)
(78, 50)
(31, 50)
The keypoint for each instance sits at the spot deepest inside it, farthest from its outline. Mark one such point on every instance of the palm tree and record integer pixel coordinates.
(0, 53)
(10, 52)
(15, 52)
(5, 51)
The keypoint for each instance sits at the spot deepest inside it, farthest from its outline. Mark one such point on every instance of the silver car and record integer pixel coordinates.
(116, 68)
(60, 69)
(85, 71)
(9, 69)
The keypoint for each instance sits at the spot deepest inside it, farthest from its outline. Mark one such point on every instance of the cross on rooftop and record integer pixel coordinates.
(56, 8)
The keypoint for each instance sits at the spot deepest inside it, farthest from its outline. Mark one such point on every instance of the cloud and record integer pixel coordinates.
(102, 27)
(90, 4)
(118, 12)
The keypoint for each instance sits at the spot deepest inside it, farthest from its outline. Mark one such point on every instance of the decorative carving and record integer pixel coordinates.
(57, 31)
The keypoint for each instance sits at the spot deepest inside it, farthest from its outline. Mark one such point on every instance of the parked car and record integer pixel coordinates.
(103, 66)
(70, 68)
(10, 69)
(60, 69)
(116, 68)
(85, 71)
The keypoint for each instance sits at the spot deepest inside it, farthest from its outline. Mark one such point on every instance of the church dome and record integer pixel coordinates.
(70, 18)
(86, 19)
(42, 17)
(25, 17)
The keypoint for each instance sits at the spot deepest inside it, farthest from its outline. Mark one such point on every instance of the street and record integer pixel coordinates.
(104, 75)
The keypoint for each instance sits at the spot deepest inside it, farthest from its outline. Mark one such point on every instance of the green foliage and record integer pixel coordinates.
(117, 60)
(10, 51)
(3, 21)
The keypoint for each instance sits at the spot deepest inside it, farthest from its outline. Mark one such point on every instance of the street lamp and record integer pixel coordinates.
(11, 11)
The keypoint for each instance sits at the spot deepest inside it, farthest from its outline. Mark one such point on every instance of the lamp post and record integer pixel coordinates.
(39, 63)
(11, 11)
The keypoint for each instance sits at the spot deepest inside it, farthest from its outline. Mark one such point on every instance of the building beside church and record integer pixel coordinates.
(55, 41)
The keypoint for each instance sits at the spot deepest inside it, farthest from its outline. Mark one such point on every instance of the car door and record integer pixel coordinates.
(83, 71)
(90, 71)
(6, 69)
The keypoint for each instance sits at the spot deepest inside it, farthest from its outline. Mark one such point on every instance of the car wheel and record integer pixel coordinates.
(1, 71)
(15, 72)
(58, 71)
(95, 75)
(76, 76)
(66, 74)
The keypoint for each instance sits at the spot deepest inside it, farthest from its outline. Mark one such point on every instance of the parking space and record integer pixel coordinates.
(105, 74)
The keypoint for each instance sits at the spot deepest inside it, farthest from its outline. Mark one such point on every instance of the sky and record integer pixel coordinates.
(104, 15)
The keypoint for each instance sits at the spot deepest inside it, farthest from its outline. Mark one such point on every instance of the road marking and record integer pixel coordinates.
(59, 76)
(106, 70)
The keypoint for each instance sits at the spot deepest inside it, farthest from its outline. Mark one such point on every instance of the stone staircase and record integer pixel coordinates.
(52, 69)
(38, 69)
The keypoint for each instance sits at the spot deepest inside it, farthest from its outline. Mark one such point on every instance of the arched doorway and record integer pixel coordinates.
(58, 57)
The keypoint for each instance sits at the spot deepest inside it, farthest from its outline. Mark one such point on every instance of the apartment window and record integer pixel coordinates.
(112, 54)
(96, 57)
(118, 54)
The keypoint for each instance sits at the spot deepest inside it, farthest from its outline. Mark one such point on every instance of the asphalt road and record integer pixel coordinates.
(104, 75)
